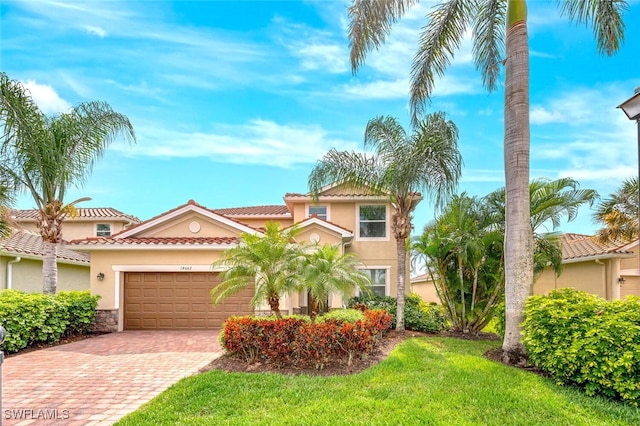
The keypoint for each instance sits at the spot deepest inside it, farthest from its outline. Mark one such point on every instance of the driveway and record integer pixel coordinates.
(98, 380)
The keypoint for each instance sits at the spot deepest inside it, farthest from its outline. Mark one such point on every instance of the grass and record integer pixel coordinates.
(427, 381)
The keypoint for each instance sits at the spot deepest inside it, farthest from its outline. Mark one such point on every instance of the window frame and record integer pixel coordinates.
(312, 206)
(386, 222)
(387, 277)
(98, 230)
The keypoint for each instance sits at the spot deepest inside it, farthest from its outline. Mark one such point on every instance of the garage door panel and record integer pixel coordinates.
(178, 300)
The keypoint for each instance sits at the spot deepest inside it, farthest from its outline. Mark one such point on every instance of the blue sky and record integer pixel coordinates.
(234, 102)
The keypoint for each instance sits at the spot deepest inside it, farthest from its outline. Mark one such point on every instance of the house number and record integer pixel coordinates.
(186, 268)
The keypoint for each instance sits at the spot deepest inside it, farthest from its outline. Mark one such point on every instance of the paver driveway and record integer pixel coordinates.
(99, 380)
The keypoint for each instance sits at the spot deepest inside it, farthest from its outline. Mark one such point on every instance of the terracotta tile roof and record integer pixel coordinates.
(83, 213)
(29, 243)
(190, 202)
(575, 246)
(270, 210)
(321, 220)
(159, 241)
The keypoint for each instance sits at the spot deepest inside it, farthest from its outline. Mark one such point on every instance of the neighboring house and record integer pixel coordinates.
(89, 222)
(21, 264)
(611, 271)
(157, 274)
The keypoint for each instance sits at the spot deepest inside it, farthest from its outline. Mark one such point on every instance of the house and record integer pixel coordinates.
(21, 264)
(88, 222)
(157, 274)
(611, 271)
(21, 253)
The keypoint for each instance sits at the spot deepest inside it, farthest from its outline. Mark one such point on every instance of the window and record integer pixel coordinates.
(103, 229)
(373, 221)
(378, 279)
(320, 211)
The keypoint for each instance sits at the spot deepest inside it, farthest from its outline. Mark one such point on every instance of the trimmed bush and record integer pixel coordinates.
(342, 315)
(585, 340)
(296, 342)
(31, 318)
(418, 315)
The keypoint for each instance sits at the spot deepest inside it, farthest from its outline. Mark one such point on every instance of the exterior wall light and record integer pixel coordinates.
(621, 280)
(100, 276)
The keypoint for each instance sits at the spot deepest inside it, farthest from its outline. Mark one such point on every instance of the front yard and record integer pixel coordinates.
(433, 381)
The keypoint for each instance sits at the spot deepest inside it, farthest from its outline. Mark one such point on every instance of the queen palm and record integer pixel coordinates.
(326, 271)
(45, 156)
(400, 166)
(271, 261)
(619, 214)
(496, 24)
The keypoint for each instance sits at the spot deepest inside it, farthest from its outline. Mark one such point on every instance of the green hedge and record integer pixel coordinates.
(31, 318)
(418, 315)
(585, 340)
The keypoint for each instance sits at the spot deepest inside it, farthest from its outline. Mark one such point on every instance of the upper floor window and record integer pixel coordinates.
(103, 229)
(373, 221)
(320, 211)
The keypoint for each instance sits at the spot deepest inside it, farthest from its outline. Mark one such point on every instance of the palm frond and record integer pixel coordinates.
(605, 17)
(441, 37)
(370, 23)
(488, 40)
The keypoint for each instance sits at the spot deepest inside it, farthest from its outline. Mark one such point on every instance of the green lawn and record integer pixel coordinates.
(428, 381)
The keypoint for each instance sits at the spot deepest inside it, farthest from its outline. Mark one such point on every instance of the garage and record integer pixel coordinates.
(163, 300)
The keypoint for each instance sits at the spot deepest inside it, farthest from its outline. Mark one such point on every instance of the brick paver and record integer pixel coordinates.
(98, 380)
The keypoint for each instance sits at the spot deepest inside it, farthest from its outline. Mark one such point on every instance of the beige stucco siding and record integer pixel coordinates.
(261, 222)
(631, 287)
(632, 262)
(76, 229)
(587, 276)
(27, 275)
(180, 227)
(426, 290)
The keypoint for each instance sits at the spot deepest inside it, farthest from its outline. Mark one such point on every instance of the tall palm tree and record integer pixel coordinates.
(326, 271)
(401, 166)
(619, 214)
(497, 25)
(46, 155)
(272, 261)
(5, 219)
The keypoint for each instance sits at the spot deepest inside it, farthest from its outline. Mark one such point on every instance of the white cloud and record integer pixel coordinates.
(47, 98)
(255, 142)
(97, 31)
(327, 57)
(483, 175)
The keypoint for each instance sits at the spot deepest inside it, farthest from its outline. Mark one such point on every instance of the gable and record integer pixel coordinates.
(191, 224)
(319, 234)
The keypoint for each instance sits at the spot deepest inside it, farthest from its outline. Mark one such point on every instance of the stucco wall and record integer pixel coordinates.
(631, 287)
(76, 229)
(426, 290)
(179, 227)
(27, 275)
(587, 276)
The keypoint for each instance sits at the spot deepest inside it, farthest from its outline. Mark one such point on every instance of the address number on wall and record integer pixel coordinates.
(186, 268)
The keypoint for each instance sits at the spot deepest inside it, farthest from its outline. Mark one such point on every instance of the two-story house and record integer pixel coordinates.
(157, 274)
(21, 253)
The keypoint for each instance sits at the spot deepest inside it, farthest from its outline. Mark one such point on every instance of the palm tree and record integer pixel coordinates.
(619, 214)
(496, 24)
(550, 201)
(326, 271)
(46, 155)
(402, 164)
(272, 261)
(5, 219)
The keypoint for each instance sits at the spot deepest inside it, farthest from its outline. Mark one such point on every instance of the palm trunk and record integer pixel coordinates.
(465, 328)
(49, 267)
(518, 236)
(401, 251)
(274, 304)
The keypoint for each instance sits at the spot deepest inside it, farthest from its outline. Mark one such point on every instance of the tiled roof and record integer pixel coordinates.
(190, 202)
(272, 210)
(297, 195)
(83, 213)
(321, 220)
(159, 241)
(29, 243)
(575, 246)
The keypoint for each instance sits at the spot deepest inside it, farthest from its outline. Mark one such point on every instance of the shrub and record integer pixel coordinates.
(500, 319)
(584, 340)
(293, 341)
(418, 315)
(342, 315)
(31, 318)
